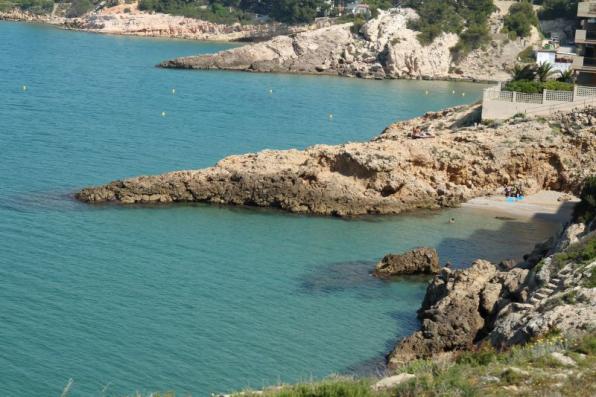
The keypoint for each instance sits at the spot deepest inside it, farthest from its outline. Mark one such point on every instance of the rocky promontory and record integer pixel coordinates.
(384, 47)
(128, 20)
(389, 174)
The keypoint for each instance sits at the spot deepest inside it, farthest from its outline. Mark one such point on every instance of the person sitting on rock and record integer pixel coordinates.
(420, 134)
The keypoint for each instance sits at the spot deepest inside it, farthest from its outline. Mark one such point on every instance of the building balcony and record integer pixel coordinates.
(584, 64)
(586, 9)
(583, 36)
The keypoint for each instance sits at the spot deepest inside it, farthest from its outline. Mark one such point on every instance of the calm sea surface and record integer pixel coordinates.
(195, 299)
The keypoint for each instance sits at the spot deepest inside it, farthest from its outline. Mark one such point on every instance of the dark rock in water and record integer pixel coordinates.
(417, 261)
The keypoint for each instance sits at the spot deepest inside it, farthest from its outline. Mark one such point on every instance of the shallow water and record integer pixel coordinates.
(194, 298)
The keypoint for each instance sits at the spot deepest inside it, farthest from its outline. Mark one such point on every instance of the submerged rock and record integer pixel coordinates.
(417, 261)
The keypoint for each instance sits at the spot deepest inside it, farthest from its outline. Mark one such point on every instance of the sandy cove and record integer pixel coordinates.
(556, 205)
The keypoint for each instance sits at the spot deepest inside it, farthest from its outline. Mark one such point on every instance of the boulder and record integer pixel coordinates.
(392, 381)
(421, 260)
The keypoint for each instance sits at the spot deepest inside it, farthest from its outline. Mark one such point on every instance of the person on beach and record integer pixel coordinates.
(507, 190)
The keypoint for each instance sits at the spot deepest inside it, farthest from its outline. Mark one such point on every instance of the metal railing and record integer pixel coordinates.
(579, 93)
(562, 106)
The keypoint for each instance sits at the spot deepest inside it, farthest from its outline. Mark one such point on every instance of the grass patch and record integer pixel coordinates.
(581, 253)
(483, 372)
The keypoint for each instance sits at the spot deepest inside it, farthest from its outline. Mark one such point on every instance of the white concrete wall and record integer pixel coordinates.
(545, 57)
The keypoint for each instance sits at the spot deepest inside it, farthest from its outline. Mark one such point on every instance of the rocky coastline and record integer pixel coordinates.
(133, 22)
(383, 48)
(389, 174)
(508, 303)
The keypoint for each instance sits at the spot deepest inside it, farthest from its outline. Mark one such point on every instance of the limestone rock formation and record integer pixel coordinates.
(383, 48)
(505, 307)
(422, 260)
(387, 175)
(114, 20)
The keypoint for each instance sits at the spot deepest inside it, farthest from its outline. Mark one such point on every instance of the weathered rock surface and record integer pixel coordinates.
(384, 48)
(389, 174)
(392, 381)
(115, 20)
(504, 307)
(422, 260)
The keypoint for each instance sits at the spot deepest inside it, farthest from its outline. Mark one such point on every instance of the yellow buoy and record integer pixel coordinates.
(426, 92)
(463, 94)
(24, 88)
(173, 91)
(163, 114)
(330, 116)
(453, 92)
(270, 91)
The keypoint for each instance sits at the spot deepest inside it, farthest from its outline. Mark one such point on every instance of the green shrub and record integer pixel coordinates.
(536, 87)
(216, 12)
(580, 253)
(557, 85)
(481, 357)
(527, 55)
(520, 19)
(474, 37)
(79, 8)
(32, 6)
(467, 18)
(525, 86)
(359, 21)
(585, 345)
(553, 9)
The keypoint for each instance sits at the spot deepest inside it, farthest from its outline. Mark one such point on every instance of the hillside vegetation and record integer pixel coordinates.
(549, 366)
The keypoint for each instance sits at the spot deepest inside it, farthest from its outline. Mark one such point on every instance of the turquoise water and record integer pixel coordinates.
(196, 299)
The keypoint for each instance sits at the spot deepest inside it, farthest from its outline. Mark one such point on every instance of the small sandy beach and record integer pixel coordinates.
(544, 204)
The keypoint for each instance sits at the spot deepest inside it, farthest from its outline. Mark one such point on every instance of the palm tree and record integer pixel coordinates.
(544, 71)
(527, 72)
(566, 76)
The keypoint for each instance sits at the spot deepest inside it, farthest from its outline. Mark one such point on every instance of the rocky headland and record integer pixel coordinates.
(384, 47)
(390, 173)
(128, 20)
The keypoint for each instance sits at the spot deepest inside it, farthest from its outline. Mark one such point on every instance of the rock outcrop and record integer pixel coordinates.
(387, 175)
(421, 260)
(383, 48)
(132, 22)
(504, 307)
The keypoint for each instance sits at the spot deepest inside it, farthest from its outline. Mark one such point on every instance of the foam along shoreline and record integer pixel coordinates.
(545, 202)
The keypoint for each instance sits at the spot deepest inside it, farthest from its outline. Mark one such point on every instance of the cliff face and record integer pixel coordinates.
(553, 290)
(388, 174)
(384, 48)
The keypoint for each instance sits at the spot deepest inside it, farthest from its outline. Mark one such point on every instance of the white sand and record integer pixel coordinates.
(544, 204)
